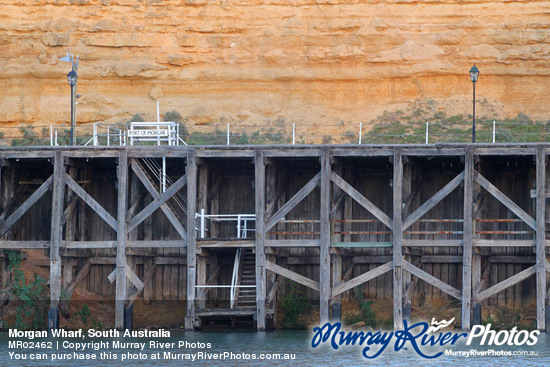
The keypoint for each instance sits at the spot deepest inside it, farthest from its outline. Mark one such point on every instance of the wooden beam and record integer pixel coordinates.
(157, 202)
(154, 193)
(92, 203)
(201, 293)
(156, 244)
(363, 201)
(56, 236)
(273, 203)
(468, 175)
(442, 259)
(72, 205)
(514, 279)
(430, 279)
(227, 312)
(160, 260)
(273, 290)
(433, 201)
(363, 278)
(132, 276)
(14, 245)
(347, 275)
(292, 275)
(397, 230)
(82, 273)
(23, 208)
(295, 200)
(477, 285)
(499, 195)
(225, 244)
(503, 243)
(146, 280)
(104, 260)
(292, 243)
(191, 238)
(261, 276)
(337, 203)
(89, 244)
(324, 242)
(11, 200)
(541, 239)
(432, 243)
(122, 237)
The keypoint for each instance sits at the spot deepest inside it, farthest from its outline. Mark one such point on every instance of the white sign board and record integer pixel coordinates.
(148, 133)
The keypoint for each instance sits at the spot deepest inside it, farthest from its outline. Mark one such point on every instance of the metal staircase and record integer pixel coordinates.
(247, 277)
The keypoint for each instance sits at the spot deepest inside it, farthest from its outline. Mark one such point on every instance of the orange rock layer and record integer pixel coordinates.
(252, 61)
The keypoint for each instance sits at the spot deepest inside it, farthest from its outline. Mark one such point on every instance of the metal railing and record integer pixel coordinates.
(235, 278)
(238, 133)
(242, 222)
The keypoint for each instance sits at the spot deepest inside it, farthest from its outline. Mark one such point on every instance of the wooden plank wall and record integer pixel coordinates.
(514, 177)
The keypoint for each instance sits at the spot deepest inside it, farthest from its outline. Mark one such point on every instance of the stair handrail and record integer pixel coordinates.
(235, 277)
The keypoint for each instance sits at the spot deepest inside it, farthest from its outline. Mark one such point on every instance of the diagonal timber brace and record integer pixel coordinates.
(157, 202)
(292, 275)
(23, 208)
(363, 278)
(289, 205)
(92, 203)
(154, 193)
(432, 280)
(513, 280)
(363, 201)
(499, 195)
(433, 201)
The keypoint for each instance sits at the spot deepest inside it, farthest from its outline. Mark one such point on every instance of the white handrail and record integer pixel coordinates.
(241, 219)
(235, 277)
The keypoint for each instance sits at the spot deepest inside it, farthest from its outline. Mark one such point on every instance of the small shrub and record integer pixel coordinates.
(31, 299)
(522, 117)
(294, 304)
(84, 319)
(136, 118)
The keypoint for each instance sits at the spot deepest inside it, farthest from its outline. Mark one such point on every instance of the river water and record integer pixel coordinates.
(243, 345)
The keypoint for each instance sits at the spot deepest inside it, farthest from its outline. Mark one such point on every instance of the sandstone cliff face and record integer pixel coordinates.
(305, 61)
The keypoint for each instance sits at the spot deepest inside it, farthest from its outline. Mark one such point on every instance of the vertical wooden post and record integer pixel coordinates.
(407, 189)
(467, 237)
(541, 238)
(122, 233)
(260, 239)
(56, 239)
(337, 259)
(191, 238)
(271, 172)
(202, 193)
(397, 240)
(324, 276)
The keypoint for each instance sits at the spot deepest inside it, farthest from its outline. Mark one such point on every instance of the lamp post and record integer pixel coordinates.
(72, 78)
(474, 75)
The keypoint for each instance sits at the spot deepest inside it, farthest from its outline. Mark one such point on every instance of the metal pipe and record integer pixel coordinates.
(73, 114)
(474, 115)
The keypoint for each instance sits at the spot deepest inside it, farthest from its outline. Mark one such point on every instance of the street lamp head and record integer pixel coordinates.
(474, 73)
(72, 77)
